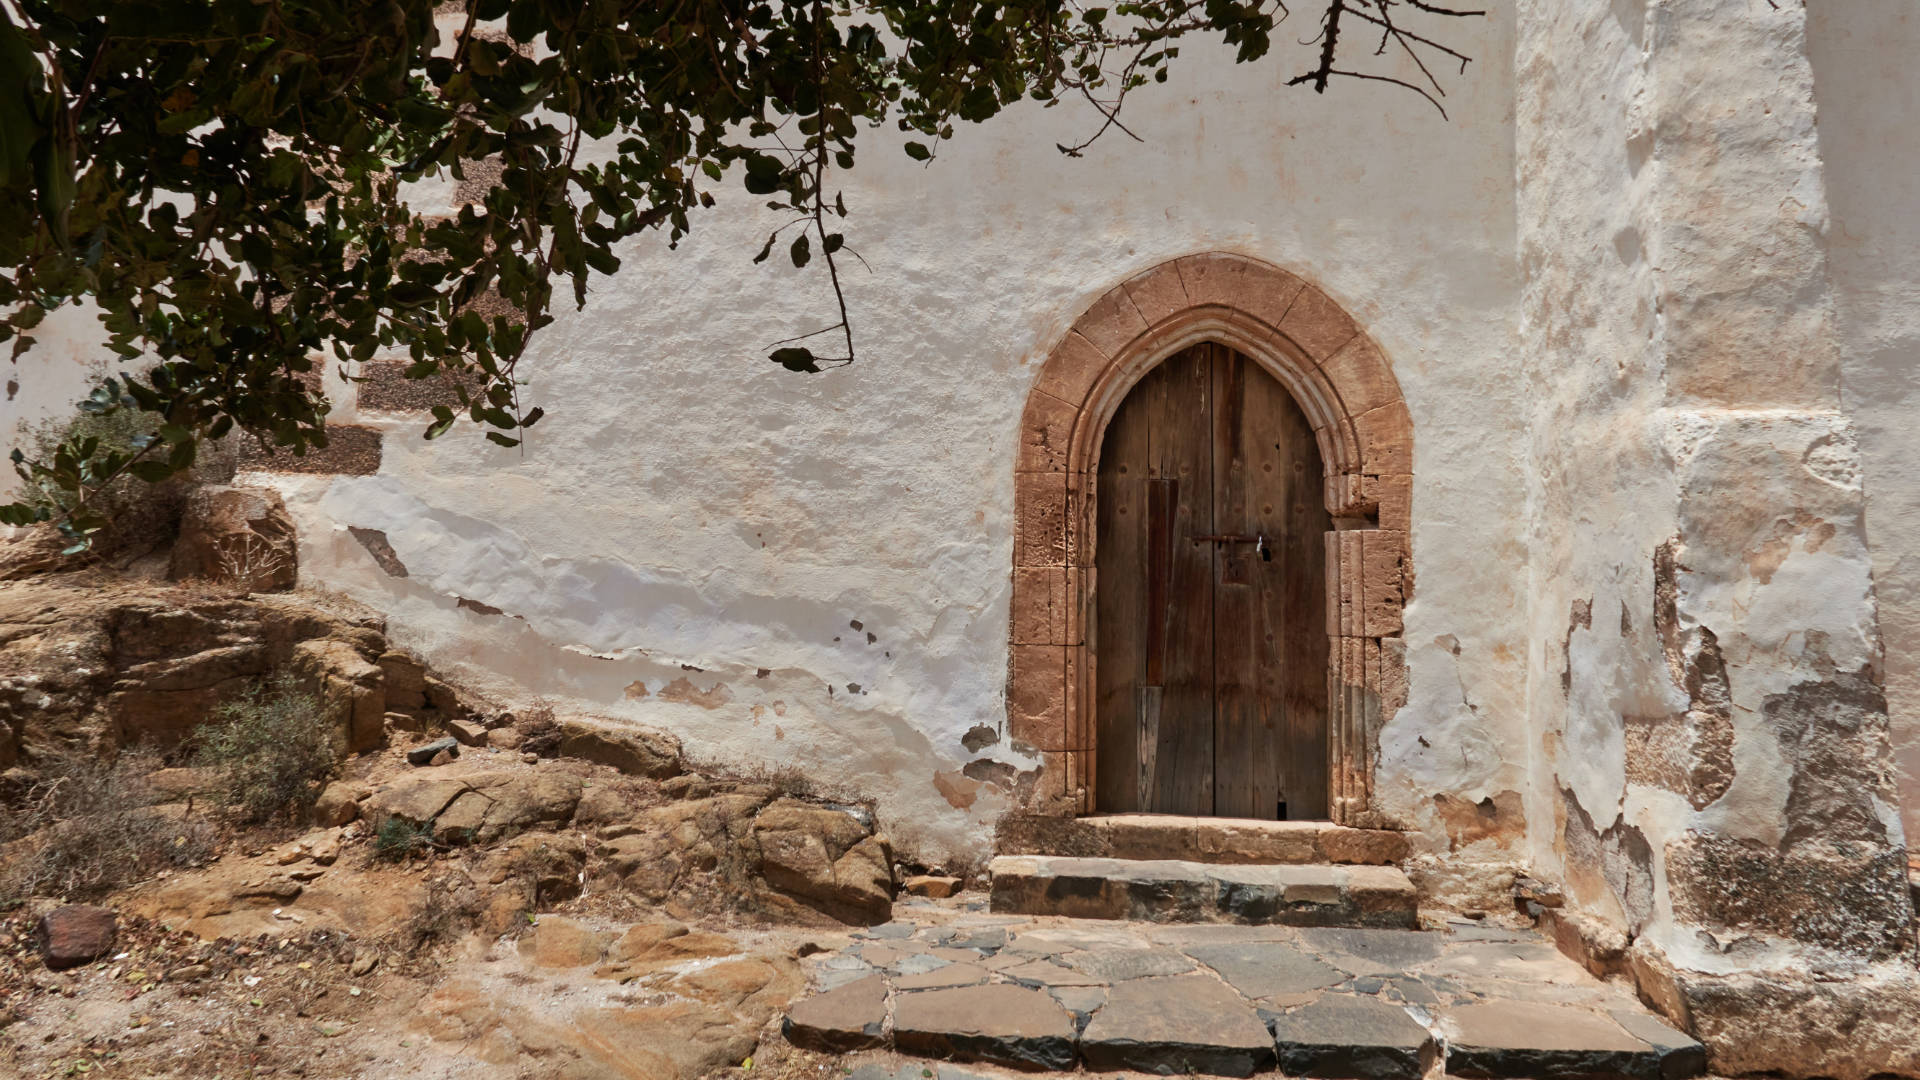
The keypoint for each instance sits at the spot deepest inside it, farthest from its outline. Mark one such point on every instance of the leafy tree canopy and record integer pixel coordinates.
(224, 179)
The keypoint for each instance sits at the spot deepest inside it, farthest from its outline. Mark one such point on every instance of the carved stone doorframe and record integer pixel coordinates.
(1350, 397)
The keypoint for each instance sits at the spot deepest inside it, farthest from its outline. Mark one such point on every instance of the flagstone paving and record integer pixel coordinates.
(1055, 994)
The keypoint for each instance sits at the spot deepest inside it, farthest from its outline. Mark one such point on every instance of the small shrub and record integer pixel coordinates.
(450, 907)
(400, 839)
(273, 750)
(137, 513)
(88, 827)
(539, 730)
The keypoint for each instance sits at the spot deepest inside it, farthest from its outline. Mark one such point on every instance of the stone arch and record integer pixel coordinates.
(1342, 383)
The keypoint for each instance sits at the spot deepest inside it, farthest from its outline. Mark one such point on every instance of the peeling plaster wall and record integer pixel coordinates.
(1868, 91)
(691, 537)
(1711, 766)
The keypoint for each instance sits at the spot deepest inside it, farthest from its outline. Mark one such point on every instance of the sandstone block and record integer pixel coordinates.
(75, 934)
(339, 803)
(632, 749)
(931, 885)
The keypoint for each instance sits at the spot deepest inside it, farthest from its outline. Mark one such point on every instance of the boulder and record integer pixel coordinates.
(406, 680)
(75, 934)
(476, 809)
(467, 732)
(934, 886)
(427, 753)
(339, 803)
(634, 750)
(351, 689)
(826, 856)
(240, 536)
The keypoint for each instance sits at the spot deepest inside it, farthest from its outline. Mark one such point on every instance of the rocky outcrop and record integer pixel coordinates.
(86, 668)
(710, 844)
(636, 751)
(241, 536)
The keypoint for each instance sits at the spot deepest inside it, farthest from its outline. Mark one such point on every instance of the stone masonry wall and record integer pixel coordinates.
(1713, 769)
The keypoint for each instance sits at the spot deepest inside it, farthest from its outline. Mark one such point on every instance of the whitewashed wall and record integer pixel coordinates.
(689, 515)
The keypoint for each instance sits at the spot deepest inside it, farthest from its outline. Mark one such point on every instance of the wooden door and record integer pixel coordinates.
(1210, 633)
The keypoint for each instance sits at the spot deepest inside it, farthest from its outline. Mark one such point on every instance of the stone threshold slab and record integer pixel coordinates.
(1170, 890)
(1232, 841)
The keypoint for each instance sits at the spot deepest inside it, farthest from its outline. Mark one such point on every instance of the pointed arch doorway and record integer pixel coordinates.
(1363, 432)
(1210, 609)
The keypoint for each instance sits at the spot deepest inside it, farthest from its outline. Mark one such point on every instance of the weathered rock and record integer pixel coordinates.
(1800, 1025)
(844, 1020)
(73, 935)
(548, 865)
(189, 973)
(684, 843)
(825, 856)
(236, 535)
(442, 698)
(1546, 1042)
(1000, 1024)
(349, 688)
(1351, 1036)
(406, 680)
(631, 749)
(424, 754)
(467, 733)
(498, 805)
(339, 802)
(363, 964)
(504, 738)
(86, 670)
(556, 942)
(935, 886)
(1175, 1025)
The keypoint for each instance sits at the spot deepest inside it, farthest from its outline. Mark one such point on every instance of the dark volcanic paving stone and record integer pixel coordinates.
(1341, 1036)
(1120, 965)
(1680, 1055)
(1182, 1024)
(1545, 1042)
(850, 1018)
(1000, 1024)
(1374, 952)
(1262, 969)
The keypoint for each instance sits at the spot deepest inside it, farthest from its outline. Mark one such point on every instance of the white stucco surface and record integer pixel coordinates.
(1869, 92)
(689, 515)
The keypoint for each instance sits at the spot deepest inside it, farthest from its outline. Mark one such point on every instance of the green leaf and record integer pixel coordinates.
(918, 151)
(801, 251)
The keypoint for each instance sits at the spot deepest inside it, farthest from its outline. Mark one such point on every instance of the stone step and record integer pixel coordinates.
(1233, 841)
(1172, 891)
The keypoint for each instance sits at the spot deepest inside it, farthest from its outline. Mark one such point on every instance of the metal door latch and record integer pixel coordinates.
(1259, 542)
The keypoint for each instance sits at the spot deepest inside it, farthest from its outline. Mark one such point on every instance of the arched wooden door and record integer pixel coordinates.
(1210, 633)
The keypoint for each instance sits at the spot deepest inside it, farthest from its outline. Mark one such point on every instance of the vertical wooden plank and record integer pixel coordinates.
(1120, 603)
(1297, 606)
(1180, 449)
(1247, 747)
(1271, 632)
